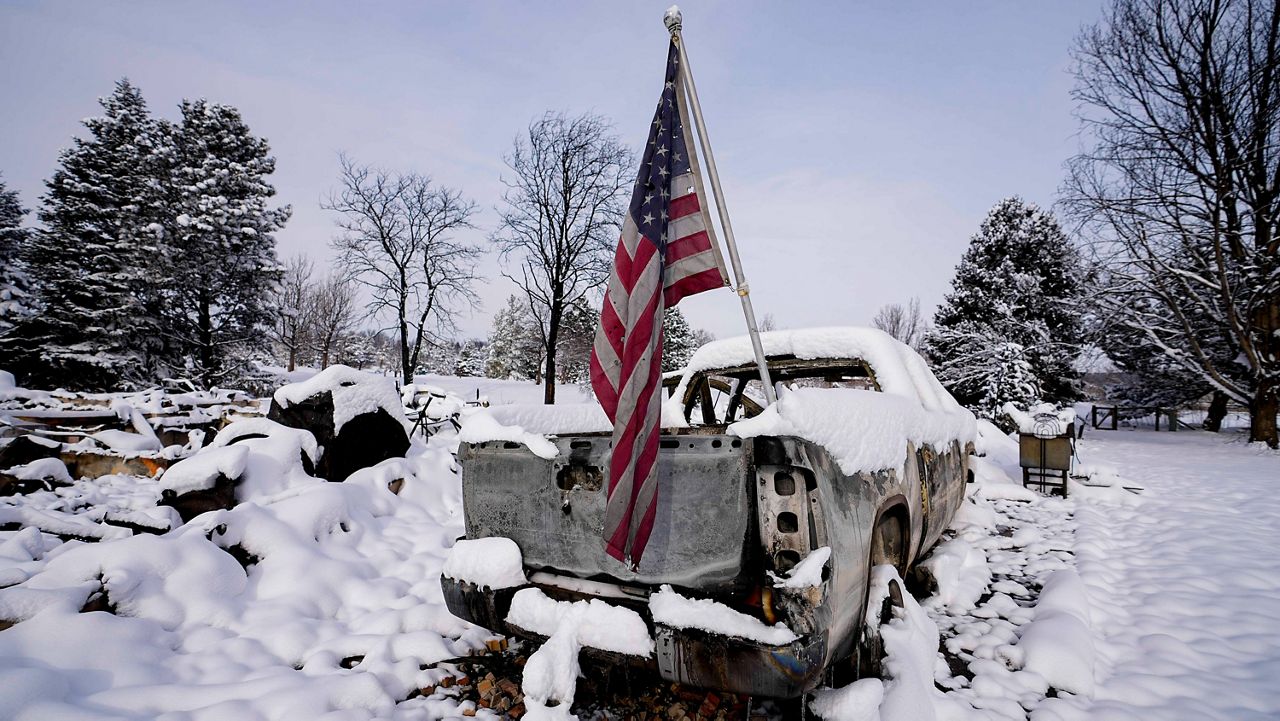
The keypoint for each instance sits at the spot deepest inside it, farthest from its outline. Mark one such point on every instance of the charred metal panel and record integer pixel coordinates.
(554, 509)
(738, 665)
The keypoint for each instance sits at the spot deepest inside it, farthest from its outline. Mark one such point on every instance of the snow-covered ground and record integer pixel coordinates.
(1184, 589)
(1162, 603)
(321, 600)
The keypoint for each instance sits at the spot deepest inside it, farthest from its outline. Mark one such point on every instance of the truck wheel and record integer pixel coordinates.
(888, 547)
(869, 658)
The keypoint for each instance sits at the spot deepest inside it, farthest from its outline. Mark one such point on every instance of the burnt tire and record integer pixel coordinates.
(869, 658)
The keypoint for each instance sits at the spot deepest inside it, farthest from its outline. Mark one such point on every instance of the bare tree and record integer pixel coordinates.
(397, 240)
(334, 313)
(294, 307)
(902, 322)
(1180, 186)
(769, 323)
(561, 217)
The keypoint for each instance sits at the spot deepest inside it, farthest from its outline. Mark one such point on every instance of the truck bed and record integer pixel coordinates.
(705, 500)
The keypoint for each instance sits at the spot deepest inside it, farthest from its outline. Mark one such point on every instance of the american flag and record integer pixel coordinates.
(666, 252)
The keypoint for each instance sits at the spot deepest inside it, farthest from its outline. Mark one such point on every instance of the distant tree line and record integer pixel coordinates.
(155, 256)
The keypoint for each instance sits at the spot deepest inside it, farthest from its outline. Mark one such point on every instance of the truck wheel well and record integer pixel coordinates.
(889, 538)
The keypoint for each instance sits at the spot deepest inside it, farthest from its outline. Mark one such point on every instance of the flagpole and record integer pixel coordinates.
(672, 19)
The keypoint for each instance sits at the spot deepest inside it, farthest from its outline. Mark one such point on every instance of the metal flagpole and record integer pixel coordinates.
(672, 19)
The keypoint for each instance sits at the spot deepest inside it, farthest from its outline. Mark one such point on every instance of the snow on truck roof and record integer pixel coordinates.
(899, 370)
(864, 431)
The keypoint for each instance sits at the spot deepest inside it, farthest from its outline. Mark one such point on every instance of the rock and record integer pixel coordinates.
(365, 439)
(222, 496)
(25, 449)
(43, 474)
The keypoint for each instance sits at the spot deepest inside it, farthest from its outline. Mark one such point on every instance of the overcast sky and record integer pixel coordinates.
(859, 144)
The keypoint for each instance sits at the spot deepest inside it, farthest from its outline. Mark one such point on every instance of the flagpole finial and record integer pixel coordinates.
(672, 19)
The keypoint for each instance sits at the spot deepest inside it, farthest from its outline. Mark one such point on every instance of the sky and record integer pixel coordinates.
(859, 144)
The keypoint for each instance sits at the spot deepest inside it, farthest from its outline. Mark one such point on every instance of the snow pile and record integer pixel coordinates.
(245, 613)
(41, 469)
(991, 482)
(1058, 644)
(555, 419)
(599, 624)
(859, 701)
(486, 562)
(960, 571)
(1044, 420)
(865, 431)
(551, 673)
(671, 609)
(482, 427)
(808, 572)
(911, 662)
(354, 393)
(995, 445)
(278, 457)
(201, 471)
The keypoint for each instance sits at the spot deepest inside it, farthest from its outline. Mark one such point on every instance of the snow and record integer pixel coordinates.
(41, 469)
(551, 674)
(1162, 603)
(482, 427)
(671, 609)
(808, 572)
(961, 573)
(486, 562)
(865, 431)
(553, 420)
(201, 471)
(899, 370)
(1041, 419)
(858, 701)
(599, 624)
(354, 393)
(1058, 644)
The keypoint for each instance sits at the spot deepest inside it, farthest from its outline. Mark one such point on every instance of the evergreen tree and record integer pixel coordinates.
(15, 299)
(678, 341)
(91, 263)
(471, 359)
(576, 336)
(222, 251)
(1011, 325)
(514, 344)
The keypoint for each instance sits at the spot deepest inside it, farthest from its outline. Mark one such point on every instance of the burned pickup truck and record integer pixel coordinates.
(769, 520)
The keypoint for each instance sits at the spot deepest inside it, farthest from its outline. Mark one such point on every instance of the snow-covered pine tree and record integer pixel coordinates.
(91, 263)
(1013, 309)
(471, 359)
(678, 341)
(577, 334)
(514, 346)
(221, 249)
(15, 298)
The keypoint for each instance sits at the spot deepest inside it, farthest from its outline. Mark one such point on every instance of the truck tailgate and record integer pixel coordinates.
(554, 509)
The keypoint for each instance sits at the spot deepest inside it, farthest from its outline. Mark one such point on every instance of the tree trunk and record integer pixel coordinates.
(1217, 411)
(293, 357)
(206, 342)
(406, 366)
(553, 336)
(1262, 412)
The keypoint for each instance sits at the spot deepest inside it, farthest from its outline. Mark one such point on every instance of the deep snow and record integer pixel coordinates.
(1108, 604)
